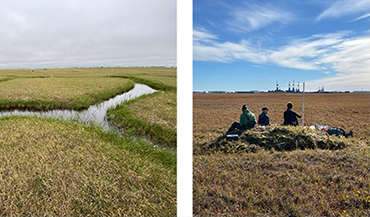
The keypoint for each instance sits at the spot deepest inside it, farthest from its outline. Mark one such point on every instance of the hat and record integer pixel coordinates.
(265, 108)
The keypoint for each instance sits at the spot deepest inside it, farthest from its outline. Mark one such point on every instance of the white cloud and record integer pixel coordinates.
(66, 33)
(250, 17)
(295, 55)
(341, 82)
(207, 48)
(201, 34)
(343, 8)
(349, 57)
(360, 17)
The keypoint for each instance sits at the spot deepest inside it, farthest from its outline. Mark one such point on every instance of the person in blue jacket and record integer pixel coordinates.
(263, 118)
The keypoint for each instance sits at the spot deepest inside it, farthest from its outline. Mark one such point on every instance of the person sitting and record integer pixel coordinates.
(290, 116)
(247, 120)
(263, 118)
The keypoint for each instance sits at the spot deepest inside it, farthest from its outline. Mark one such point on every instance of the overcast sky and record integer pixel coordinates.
(65, 33)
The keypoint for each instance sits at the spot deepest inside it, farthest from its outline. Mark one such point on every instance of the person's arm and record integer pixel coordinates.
(267, 120)
(241, 119)
(297, 115)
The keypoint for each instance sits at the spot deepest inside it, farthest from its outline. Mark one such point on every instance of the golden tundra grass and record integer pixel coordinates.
(159, 109)
(57, 88)
(55, 168)
(290, 183)
(160, 75)
(74, 88)
(153, 116)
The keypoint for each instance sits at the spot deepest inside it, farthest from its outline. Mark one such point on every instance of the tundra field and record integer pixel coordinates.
(253, 181)
(55, 167)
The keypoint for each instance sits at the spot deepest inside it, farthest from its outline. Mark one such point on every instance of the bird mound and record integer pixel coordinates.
(279, 138)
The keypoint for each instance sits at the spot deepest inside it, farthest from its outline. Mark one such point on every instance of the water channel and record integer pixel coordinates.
(95, 114)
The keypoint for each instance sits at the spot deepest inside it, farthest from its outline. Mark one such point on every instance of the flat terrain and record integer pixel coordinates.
(62, 168)
(74, 88)
(214, 113)
(56, 168)
(151, 115)
(274, 183)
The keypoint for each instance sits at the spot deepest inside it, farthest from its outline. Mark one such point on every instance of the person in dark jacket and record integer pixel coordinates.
(247, 120)
(263, 118)
(290, 116)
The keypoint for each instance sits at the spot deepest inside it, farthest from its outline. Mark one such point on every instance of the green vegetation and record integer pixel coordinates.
(66, 97)
(151, 115)
(152, 84)
(75, 88)
(51, 167)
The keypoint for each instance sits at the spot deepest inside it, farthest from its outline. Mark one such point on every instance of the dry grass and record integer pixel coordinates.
(152, 116)
(59, 168)
(271, 183)
(74, 88)
(162, 75)
(214, 113)
(297, 183)
(158, 109)
(57, 88)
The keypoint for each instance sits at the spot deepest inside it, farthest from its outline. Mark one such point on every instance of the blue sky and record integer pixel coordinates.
(251, 44)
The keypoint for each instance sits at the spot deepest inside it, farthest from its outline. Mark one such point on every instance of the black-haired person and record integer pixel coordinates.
(247, 120)
(290, 116)
(263, 118)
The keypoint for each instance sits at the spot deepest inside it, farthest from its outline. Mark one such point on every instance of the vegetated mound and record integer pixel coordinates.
(279, 138)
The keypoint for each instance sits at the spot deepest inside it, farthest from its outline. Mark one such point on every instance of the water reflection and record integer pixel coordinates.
(95, 114)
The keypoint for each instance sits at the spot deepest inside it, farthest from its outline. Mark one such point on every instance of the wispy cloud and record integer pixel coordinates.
(201, 34)
(305, 53)
(351, 59)
(344, 8)
(348, 58)
(251, 17)
(360, 18)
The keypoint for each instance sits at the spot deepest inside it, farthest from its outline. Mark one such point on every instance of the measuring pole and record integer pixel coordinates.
(303, 106)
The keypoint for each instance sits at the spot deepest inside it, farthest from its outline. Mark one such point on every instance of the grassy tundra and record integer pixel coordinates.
(50, 167)
(74, 88)
(259, 182)
(53, 167)
(153, 116)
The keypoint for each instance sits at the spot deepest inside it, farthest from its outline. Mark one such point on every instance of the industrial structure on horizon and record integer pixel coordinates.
(291, 89)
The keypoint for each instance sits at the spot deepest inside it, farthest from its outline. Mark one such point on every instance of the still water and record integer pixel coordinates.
(95, 114)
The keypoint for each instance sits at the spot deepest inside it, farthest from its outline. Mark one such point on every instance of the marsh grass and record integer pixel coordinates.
(79, 103)
(75, 88)
(50, 167)
(151, 115)
(153, 84)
